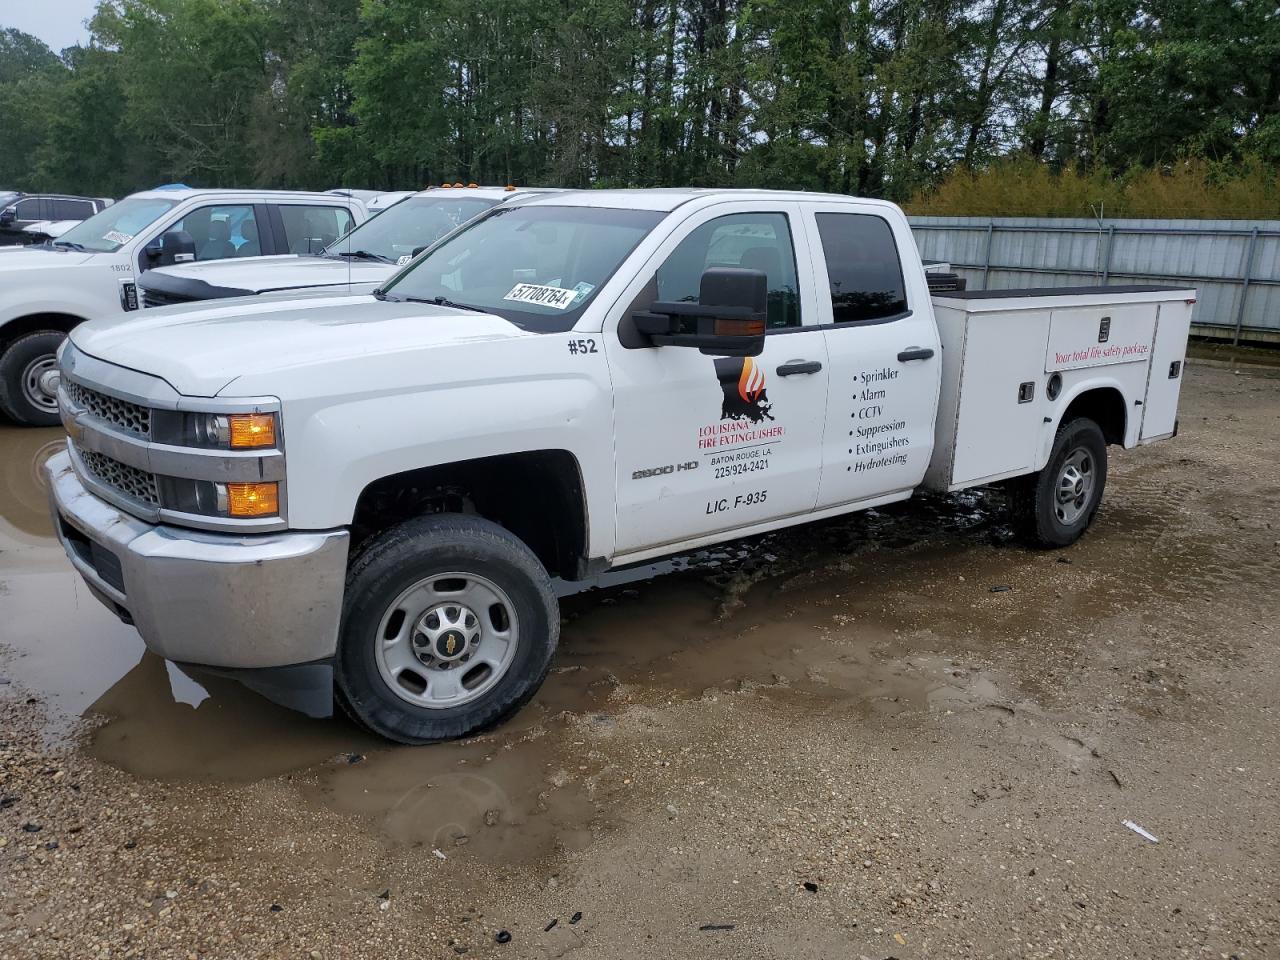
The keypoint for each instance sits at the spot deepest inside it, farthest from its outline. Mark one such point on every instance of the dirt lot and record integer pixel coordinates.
(897, 735)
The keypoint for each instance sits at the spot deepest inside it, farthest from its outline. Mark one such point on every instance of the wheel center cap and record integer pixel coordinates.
(450, 645)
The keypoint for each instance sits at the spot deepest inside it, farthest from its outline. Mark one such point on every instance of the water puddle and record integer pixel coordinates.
(54, 636)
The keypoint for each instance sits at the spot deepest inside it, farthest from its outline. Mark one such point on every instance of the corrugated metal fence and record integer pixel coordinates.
(1235, 264)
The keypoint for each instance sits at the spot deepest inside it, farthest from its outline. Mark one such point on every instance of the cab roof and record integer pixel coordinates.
(183, 193)
(666, 199)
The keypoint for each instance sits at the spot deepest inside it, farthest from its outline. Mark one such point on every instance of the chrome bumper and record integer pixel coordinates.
(215, 599)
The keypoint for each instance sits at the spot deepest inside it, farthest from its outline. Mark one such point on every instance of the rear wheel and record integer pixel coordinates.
(449, 625)
(1055, 506)
(24, 393)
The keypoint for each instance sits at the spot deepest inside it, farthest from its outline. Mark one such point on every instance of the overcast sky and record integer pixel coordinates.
(59, 23)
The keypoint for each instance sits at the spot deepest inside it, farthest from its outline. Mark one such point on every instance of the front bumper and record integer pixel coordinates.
(210, 599)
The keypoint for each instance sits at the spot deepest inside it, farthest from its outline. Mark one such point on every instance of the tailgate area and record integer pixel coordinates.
(1013, 361)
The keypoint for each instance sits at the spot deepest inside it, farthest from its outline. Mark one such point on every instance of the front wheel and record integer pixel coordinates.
(1055, 506)
(24, 393)
(449, 625)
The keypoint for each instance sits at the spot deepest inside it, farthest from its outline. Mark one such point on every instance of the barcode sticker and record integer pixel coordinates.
(555, 297)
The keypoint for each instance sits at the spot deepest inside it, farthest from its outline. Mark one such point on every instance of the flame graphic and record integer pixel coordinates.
(751, 383)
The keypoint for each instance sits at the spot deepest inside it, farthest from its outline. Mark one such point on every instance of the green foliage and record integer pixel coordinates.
(1002, 106)
(1022, 187)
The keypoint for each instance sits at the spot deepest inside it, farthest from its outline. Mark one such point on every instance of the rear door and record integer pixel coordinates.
(707, 444)
(884, 355)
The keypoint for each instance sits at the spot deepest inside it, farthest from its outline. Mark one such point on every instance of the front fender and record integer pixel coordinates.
(71, 293)
(336, 446)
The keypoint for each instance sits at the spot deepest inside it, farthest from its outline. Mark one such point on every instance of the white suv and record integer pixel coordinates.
(89, 272)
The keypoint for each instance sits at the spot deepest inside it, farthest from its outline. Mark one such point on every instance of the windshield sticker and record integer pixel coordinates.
(115, 236)
(582, 291)
(404, 259)
(556, 297)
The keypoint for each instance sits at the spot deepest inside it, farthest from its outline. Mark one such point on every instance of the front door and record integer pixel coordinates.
(884, 353)
(709, 444)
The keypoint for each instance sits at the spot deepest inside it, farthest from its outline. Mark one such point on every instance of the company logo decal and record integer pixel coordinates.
(742, 383)
(744, 407)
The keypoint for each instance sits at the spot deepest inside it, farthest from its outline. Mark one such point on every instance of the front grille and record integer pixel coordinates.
(132, 417)
(121, 477)
(161, 298)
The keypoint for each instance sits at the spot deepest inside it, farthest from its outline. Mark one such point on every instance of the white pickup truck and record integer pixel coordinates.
(356, 262)
(366, 498)
(90, 270)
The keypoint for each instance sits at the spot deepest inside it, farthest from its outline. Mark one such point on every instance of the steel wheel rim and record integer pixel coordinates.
(1074, 490)
(447, 640)
(31, 389)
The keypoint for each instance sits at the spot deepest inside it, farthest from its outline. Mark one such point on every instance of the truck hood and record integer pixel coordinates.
(200, 349)
(263, 274)
(40, 258)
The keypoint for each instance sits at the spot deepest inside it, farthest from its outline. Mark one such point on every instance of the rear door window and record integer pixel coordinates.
(309, 229)
(71, 209)
(863, 268)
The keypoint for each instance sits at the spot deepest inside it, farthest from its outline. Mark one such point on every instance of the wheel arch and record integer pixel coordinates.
(1104, 403)
(537, 495)
(11, 330)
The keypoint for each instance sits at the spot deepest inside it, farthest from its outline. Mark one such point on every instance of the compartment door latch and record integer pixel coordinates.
(1104, 329)
(1026, 391)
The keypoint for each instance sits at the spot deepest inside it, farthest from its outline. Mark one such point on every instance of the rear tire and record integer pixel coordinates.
(1054, 507)
(449, 625)
(21, 365)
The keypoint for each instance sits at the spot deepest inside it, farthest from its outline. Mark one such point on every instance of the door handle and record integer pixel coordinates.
(793, 367)
(915, 353)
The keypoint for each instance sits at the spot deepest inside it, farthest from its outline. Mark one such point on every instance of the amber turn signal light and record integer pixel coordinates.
(252, 430)
(253, 499)
(739, 328)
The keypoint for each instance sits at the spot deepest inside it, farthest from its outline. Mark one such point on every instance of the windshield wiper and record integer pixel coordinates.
(359, 255)
(70, 245)
(445, 302)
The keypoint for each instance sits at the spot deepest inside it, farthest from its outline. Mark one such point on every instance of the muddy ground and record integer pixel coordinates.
(900, 734)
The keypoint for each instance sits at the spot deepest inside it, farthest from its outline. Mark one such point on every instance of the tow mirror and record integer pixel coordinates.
(728, 319)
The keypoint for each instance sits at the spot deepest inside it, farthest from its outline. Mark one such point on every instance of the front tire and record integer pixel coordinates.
(1054, 507)
(22, 364)
(449, 625)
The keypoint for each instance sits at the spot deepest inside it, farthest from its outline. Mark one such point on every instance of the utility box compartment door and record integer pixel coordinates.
(1164, 379)
(1001, 395)
(1095, 336)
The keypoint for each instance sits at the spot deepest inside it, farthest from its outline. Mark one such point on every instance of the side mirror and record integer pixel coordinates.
(177, 246)
(8, 215)
(728, 319)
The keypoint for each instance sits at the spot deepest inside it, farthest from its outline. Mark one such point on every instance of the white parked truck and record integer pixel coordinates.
(366, 498)
(356, 262)
(90, 270)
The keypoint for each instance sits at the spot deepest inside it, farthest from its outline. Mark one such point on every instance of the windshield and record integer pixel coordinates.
(409, 225)
(108, 231)
(537, 266)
